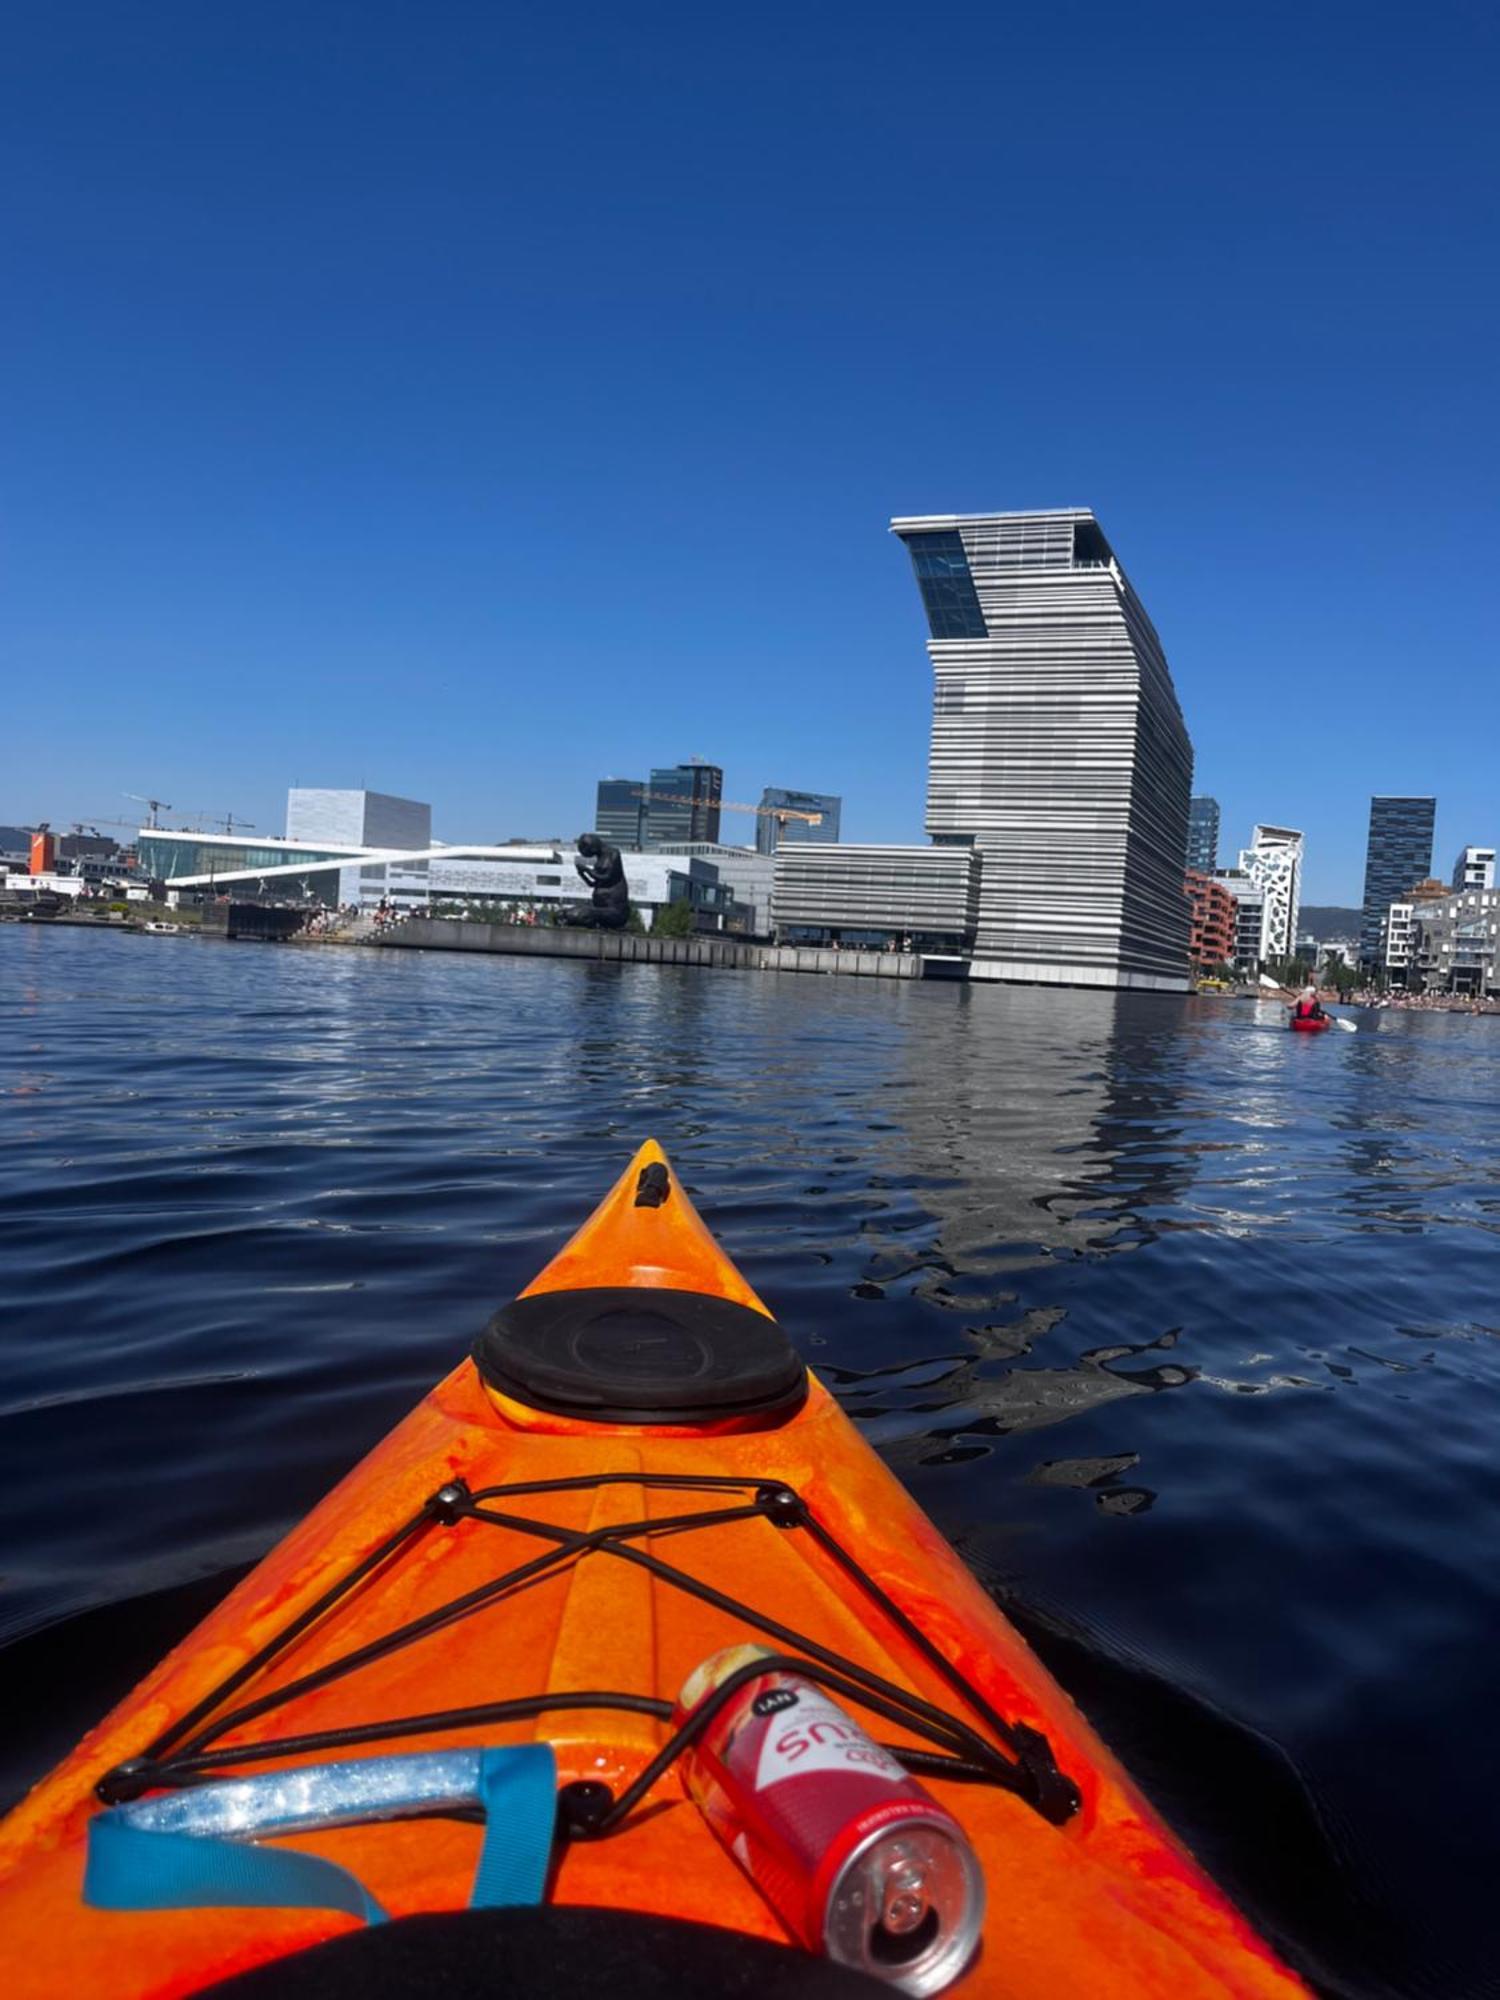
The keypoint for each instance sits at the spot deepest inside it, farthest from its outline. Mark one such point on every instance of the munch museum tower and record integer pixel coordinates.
(1059, 753)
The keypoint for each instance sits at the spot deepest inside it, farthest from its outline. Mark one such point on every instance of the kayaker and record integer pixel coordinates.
(1309, 1007)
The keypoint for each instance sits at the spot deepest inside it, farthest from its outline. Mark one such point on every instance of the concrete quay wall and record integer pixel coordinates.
(520, 941)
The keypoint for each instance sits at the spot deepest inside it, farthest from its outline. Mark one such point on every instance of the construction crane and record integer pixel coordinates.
(157, 806)
(228, 821)
(95, 820)
(781, 814)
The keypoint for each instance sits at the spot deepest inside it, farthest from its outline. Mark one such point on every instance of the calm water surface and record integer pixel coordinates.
(1186, 1330)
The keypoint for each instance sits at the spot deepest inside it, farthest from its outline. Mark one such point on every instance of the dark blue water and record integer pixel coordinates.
(1185, 1329)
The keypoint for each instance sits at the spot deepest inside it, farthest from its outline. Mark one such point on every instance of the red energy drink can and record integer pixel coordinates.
(857, 1859)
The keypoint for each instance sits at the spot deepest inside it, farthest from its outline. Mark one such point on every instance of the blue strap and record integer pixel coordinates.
(519, 1788)
(130, 1868)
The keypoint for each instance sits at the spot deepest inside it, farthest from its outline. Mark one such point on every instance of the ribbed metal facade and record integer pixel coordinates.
(1058, 749)
(924, 891)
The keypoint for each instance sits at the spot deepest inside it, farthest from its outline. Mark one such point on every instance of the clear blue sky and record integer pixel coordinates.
(469, 400)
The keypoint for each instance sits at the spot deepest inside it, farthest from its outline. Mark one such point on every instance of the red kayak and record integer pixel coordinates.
(1310, 1024)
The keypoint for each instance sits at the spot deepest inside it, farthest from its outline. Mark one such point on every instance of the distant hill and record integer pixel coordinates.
(1328, 920)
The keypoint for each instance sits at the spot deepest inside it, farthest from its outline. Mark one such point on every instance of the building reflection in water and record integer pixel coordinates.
(1044, 1136)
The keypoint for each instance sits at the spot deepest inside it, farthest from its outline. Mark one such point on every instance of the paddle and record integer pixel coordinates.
(1286, 994)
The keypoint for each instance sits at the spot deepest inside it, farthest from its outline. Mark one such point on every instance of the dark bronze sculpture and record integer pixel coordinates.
(600, 866)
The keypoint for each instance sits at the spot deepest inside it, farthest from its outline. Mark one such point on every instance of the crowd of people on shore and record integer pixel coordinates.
(325, 922)
(1424, 1003)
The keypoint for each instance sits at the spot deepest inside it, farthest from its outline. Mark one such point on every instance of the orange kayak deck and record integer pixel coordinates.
(1109, 1901)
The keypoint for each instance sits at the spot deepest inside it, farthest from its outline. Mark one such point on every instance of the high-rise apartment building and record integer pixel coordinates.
(1203, 835)
(682, 803)
(1399, 853)
(620, 811)
(1058, 749)
(772, 832)
(1215, 920)
(1474, 868)
(1273, 864)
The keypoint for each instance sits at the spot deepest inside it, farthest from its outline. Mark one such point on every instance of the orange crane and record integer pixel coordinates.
(781, 814)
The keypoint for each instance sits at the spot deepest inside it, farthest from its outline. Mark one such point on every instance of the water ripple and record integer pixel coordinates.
(1183, 1328)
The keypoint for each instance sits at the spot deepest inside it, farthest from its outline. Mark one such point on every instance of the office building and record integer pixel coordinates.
(1272, 863)
(1399, 853)
(88, 847)
(682, 803)
(1203, 835)
(1214, 920)
(747, 875)
(922, 898)
(777, 825)
(620, 812)
(1474, 868)
(1058, 750)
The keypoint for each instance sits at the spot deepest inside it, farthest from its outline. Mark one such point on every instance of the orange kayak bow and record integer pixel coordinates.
(632, 1472)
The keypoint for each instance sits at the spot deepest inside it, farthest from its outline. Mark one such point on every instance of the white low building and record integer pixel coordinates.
(339, 873)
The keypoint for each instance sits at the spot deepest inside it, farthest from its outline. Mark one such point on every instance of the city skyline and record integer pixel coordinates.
(311, 483)
(561, 828)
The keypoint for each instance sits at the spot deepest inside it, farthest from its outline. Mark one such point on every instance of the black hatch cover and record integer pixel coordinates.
(633, 1354)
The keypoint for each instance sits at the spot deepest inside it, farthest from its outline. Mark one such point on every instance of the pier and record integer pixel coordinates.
(627, 947)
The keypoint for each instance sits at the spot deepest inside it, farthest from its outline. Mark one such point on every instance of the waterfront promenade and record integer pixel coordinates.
(626, 947)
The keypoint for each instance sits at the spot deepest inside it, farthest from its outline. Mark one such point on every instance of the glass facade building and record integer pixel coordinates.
(1398, 856)
(164, 857)
(771, 832)
(620, 812)
(1203, 835)
(302, 873)
(682, 803)
(1059, 752)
